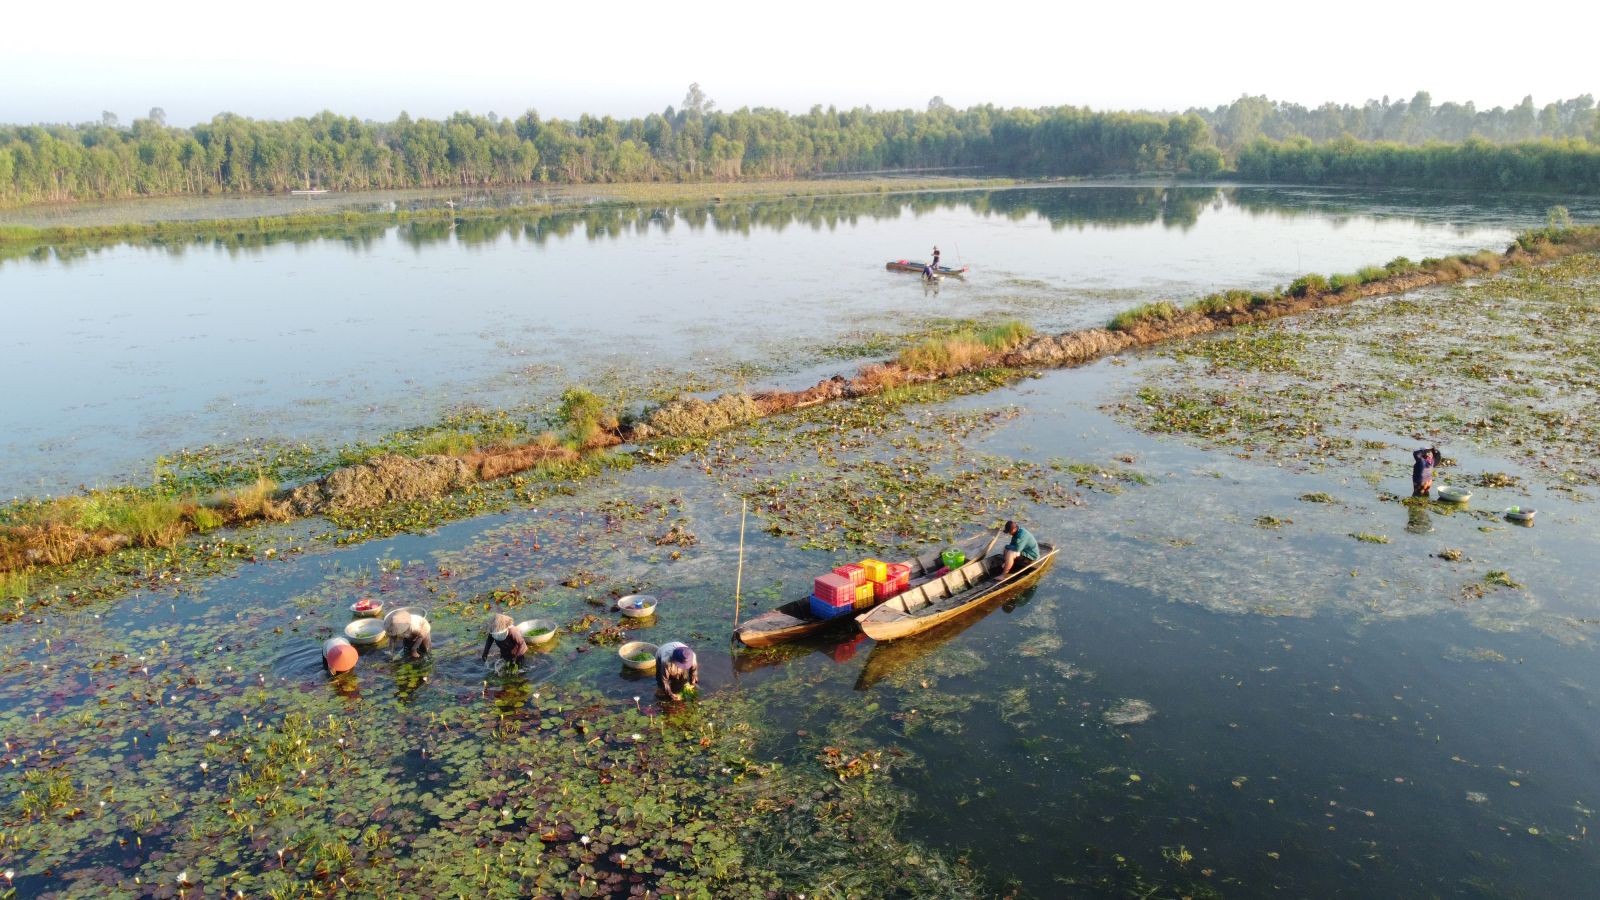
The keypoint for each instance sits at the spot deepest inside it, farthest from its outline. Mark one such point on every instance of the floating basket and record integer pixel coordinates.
(1454, 494)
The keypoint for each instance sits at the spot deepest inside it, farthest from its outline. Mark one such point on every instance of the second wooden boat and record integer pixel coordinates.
(956, 594)
(794, 619)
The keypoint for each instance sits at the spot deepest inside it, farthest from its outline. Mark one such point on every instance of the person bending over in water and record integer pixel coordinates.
(1023, 544)
(412, 631)
(503, 633)
(676, 669)
(1422, 464)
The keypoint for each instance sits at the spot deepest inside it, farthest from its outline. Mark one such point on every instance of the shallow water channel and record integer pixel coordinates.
(1188, 704)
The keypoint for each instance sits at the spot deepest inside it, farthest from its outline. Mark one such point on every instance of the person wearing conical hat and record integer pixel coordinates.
(503, 633)
(412, 630)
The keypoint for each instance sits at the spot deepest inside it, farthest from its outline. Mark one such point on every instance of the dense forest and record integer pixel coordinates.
(1415, 121)
(697, 142)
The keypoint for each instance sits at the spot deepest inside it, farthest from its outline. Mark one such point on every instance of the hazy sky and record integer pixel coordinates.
(289, 58)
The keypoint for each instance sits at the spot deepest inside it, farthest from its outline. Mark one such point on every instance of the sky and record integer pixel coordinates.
(293, 58)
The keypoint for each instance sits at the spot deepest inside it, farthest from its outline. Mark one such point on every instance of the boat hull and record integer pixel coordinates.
(911, 265)
(942, 600)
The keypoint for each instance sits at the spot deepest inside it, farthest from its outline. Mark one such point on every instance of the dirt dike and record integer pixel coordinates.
(381, 481)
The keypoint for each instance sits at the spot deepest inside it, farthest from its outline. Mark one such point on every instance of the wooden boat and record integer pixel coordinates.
(794, 619)
(912, 265)
(942, 599)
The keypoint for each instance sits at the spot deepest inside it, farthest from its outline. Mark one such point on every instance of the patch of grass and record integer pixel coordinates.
(447, 443)
(150, 522)
(14, 585)
(252, 501)
(1144, 313)
(1369, 538)
(963, 349)
(1308, 286)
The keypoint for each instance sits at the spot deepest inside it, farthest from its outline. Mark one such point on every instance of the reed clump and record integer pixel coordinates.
(965, 349)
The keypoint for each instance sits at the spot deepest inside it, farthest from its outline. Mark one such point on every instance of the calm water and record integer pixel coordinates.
(1327, 718)
(130, 352)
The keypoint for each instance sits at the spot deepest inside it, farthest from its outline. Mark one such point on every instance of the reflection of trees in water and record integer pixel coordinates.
(1080, 207)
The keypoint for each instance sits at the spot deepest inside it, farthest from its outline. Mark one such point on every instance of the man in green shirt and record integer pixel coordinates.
(1022, 544)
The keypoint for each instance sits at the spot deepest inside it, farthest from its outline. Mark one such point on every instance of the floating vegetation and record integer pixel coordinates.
(1271, 522)
(1498, 578)
(1303, 391)
(1318, 497)
(1368, 538)
(1129, 711)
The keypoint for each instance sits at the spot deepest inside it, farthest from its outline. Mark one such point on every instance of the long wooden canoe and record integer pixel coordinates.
(942, 599)
(794, 619)
(912, 265)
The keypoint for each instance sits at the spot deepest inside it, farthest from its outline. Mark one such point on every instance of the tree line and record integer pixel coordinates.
(1418, 120)
(233, 154)
(1571, 166)
(697, 142)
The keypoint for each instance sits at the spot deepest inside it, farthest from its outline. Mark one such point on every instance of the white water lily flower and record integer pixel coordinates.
(183, 877)
(638, 737)
(215, 731)
(583, 840)
(204, 766)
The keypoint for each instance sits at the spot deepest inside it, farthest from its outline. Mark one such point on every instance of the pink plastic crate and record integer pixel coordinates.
(835, 589)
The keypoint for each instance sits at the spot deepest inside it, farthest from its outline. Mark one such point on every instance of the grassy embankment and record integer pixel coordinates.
(39, 535)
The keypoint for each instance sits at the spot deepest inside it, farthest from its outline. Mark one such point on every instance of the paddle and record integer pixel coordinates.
(992, 540)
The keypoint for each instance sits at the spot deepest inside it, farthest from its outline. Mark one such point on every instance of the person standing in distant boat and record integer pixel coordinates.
(1023, 544)
(1423, 463)
(931, 270)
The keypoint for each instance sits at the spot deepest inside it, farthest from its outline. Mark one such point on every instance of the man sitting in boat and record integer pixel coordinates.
(677, 669)
(1022, 544)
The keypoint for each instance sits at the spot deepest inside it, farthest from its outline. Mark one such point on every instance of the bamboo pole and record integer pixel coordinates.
(738, 578)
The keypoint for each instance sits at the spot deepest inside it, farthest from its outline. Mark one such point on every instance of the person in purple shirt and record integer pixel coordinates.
(504, 634)
(676, 669)
(1422, 465)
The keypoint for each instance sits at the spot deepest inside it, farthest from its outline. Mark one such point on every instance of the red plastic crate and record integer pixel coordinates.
(885, 590)
(835, 589)
(856, 574)
(897, 570)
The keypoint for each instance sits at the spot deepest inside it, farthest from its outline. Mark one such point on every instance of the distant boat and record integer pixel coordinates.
(912, 265)
(311, 191)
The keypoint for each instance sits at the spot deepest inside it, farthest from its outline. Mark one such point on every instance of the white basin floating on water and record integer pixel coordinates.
(537, 631)
(365, 632)
(1518, 514)
(1454, 494)
(637, 606)
(638, 649)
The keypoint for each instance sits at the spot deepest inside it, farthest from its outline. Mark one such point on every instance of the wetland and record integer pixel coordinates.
(1258, 665)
